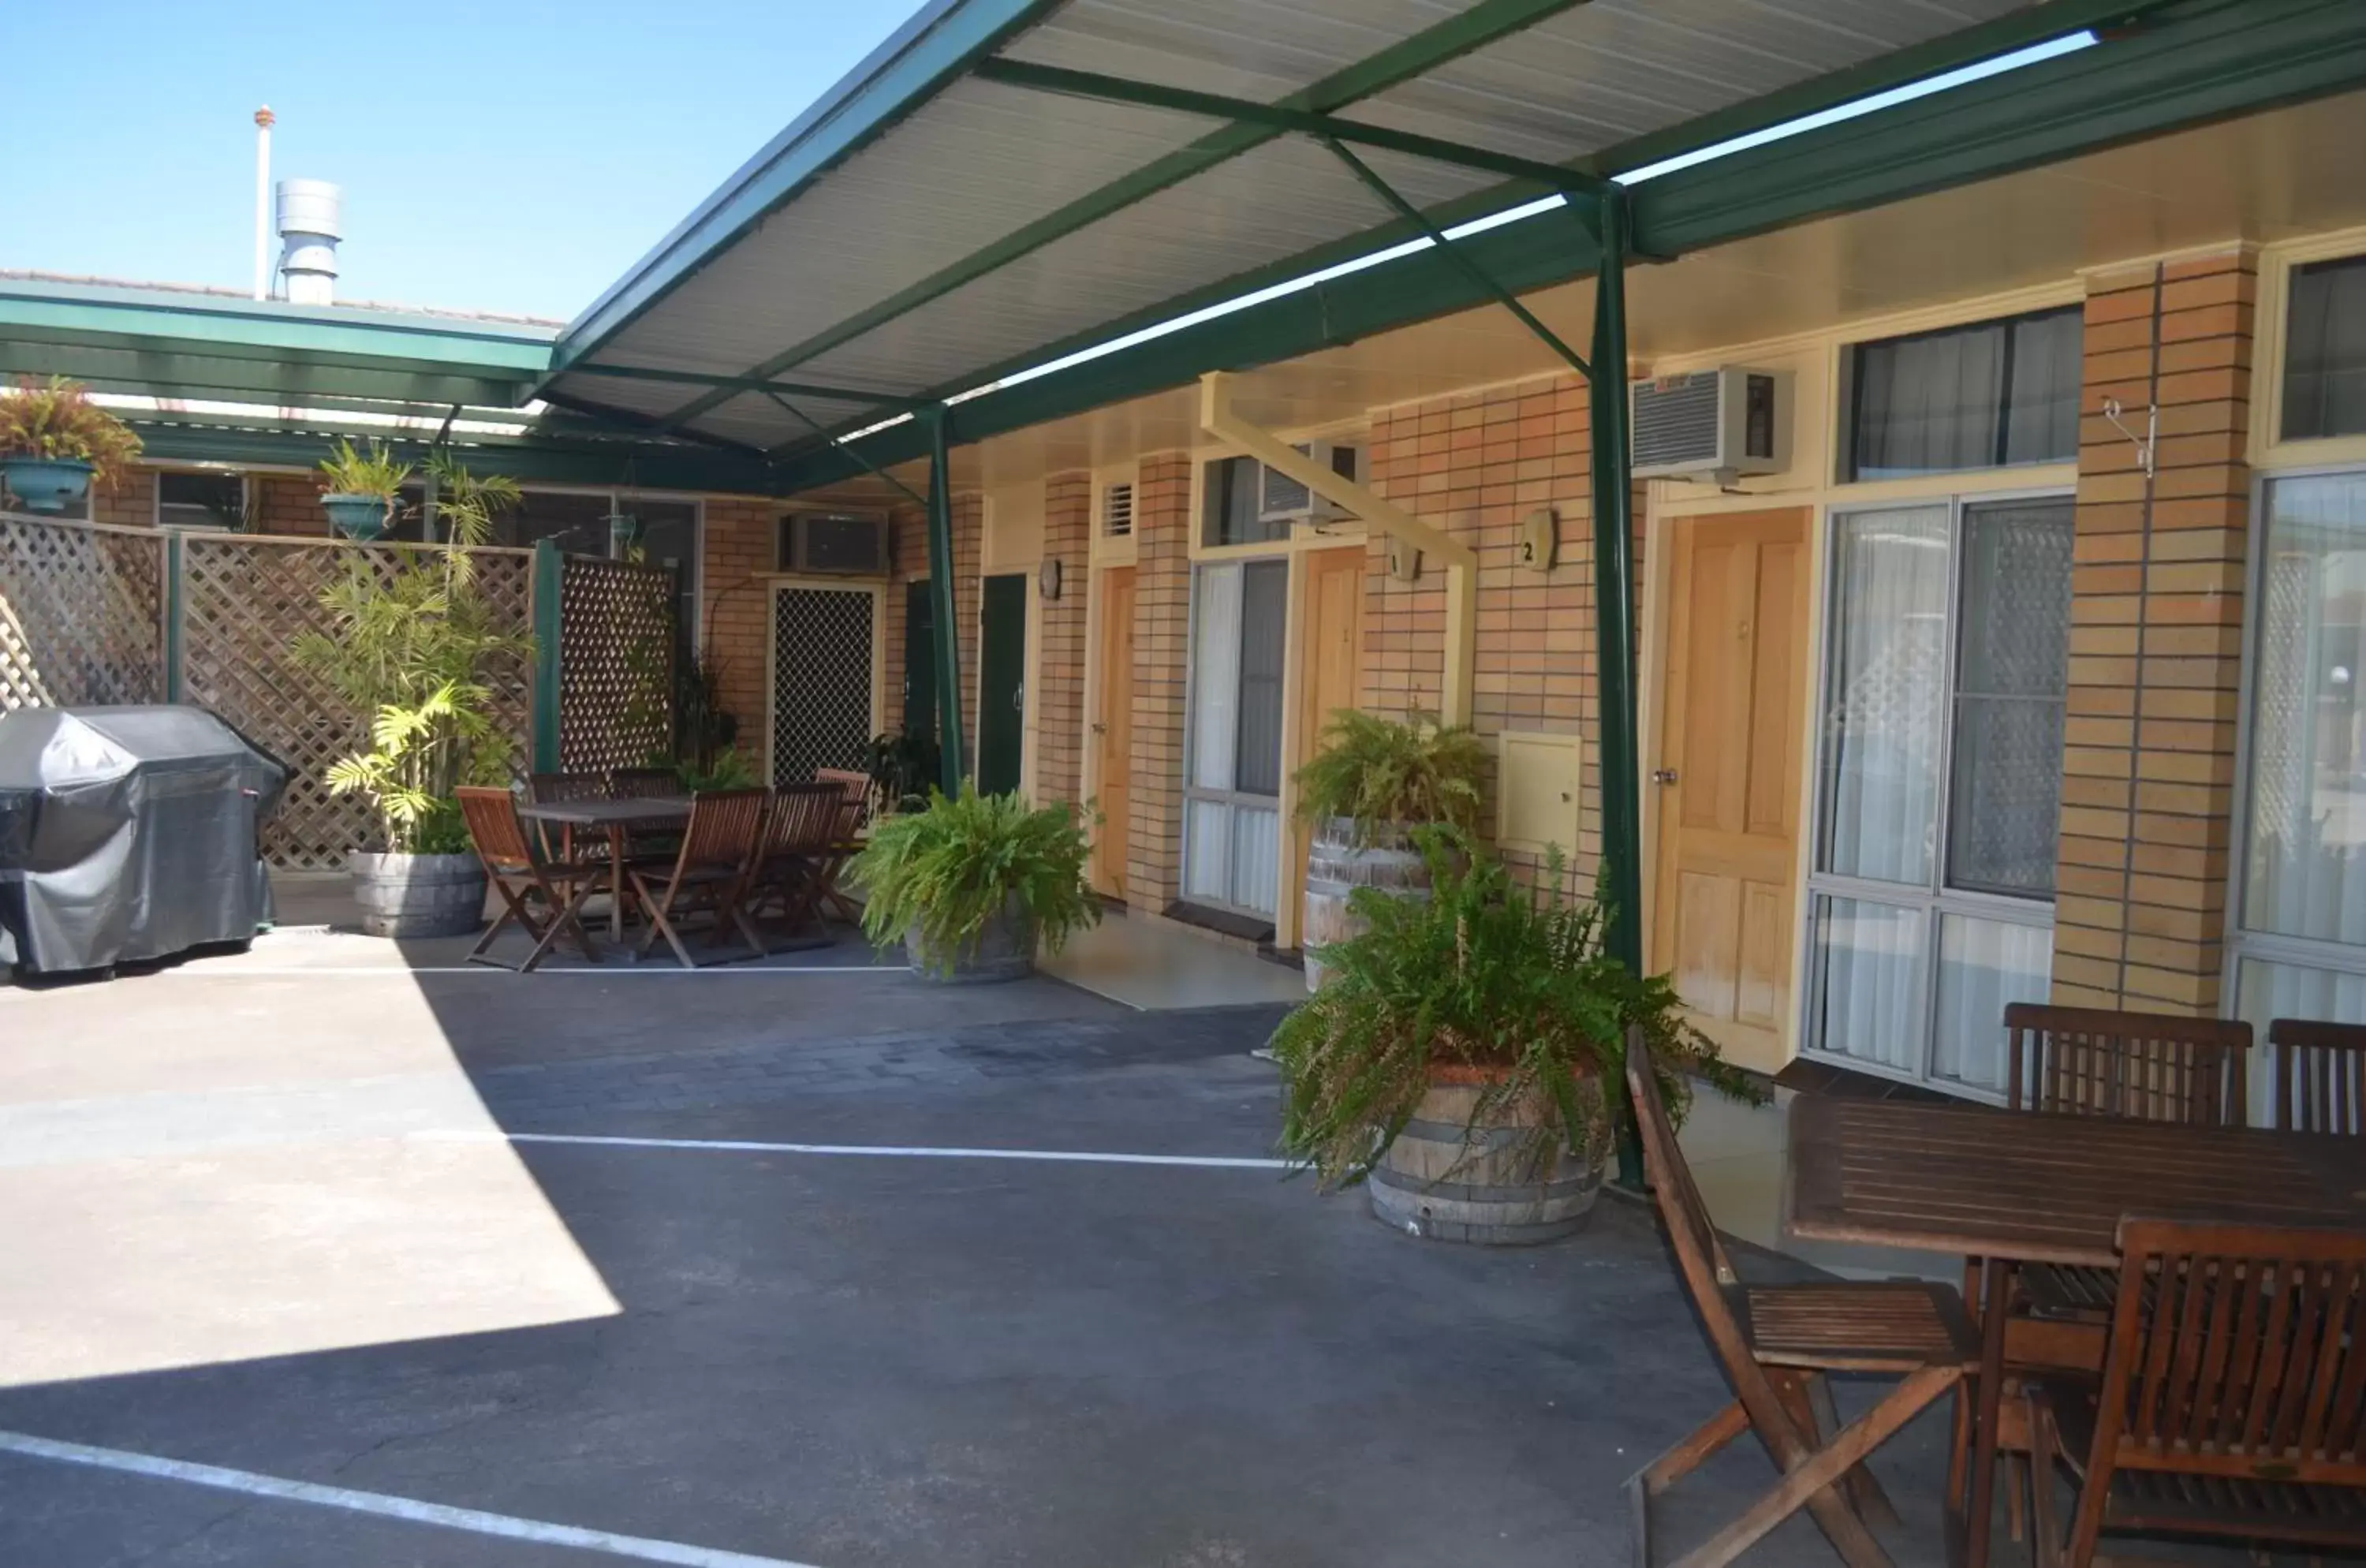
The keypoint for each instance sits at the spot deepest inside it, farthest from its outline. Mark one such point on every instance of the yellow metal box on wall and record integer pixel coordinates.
(1536, 779)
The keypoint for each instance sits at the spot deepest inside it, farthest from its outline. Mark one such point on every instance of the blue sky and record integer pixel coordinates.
(496, 155)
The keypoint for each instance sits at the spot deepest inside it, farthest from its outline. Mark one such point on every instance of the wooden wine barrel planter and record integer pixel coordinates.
(1444, 1179)
(1335, 867)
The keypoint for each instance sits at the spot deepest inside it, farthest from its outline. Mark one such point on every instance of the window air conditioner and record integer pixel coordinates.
(852, 543)
(1711, 425)
(1281, 499)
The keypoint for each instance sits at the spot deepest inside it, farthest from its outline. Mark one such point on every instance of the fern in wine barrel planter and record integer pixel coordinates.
(974, 884)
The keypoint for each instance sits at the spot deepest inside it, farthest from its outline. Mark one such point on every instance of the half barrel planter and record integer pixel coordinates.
(1005, 949)
(1447, 1180)
(412, 896)
(1336, 866)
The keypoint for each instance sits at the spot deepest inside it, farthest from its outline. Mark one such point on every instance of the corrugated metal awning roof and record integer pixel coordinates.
(941, 218)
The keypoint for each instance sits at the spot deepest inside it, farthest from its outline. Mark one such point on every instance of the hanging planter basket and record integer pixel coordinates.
(46, 486)
(358, 517)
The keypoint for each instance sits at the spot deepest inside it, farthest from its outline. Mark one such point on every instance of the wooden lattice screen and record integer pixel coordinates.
(243, 600)
(81, 613)
(615, 664)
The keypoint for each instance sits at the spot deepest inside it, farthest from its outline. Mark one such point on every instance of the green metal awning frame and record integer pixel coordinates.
(301, 377)
(2157, 65)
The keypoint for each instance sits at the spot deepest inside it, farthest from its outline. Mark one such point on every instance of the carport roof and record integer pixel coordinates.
(1006, 181)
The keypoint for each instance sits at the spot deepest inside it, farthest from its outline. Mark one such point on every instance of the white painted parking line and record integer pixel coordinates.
(639, 1548)
(884, 1151)
(294, 971)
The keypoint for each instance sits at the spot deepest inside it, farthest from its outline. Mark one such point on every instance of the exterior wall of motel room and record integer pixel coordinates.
(2149, 832)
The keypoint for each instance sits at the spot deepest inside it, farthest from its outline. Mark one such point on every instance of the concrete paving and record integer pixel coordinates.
(265, 1214)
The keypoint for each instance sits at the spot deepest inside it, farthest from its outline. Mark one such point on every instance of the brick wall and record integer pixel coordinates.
(735, 610)
(1475, 466)
(129, 502)
(1059, 694)
(2156, 640)
(1162, 523)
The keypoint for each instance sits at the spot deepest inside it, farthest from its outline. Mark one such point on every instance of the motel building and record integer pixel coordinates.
(1996, 537)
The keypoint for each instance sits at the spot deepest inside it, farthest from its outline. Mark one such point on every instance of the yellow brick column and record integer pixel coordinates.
(1162, 619)
(2156, 638)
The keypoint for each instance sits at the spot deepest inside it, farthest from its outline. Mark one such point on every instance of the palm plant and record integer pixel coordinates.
(364, 470)
(415, 640)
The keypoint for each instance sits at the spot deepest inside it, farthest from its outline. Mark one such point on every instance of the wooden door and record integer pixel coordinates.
(1002, 683)
(1331, 655)
(1729, 775)
(1113, 731)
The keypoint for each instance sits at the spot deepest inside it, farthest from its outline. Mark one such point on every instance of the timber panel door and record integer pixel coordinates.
(1114, 731)
(1729, 775)
(1334, 642)
(1002, 685)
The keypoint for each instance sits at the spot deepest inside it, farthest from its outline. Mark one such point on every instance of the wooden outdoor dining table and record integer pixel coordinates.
(2014, 1186)
(620, 819)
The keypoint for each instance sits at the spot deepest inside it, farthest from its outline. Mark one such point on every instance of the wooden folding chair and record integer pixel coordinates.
(710, 871)
(523, 876)
(1776, 1342)
(2145, 1066)
(801, 832)
(860, 792)
(639, 784)
(2320, 1076)
(545, 788)
(2233, 1400)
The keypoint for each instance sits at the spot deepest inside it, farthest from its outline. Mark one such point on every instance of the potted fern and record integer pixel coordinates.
(1462, 1059)
(360, 489)
(414, 653)
(54, 441)
(1375, 781)
(974, 884)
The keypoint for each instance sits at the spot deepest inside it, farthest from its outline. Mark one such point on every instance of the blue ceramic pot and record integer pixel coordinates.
(359, 517)
(46, 485)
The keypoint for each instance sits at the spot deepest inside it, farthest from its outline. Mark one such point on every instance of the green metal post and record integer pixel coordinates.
(1614, 614)
(549, 575)
(941, 592)
(174, 576)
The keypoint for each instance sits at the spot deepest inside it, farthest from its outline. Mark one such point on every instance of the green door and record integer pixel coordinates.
(1002, 685)
(919, 661)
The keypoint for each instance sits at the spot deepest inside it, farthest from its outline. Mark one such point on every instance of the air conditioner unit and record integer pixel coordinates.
(1711, 425)
(1281, 499)
(849, 544)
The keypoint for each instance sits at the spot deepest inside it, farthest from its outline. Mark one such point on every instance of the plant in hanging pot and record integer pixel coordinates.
(975, 883)
(415, 653)
(54, 443)
(1464, 1058)
(360, 489)
(1375, 781)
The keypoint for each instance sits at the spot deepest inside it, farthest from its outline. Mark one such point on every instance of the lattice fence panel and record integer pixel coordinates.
(615, 664)
(244, 603)
(81, 615)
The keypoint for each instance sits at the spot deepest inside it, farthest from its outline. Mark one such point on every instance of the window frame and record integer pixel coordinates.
(1932, 901)
(2241, 943)
(1850, 411)
(156, 498)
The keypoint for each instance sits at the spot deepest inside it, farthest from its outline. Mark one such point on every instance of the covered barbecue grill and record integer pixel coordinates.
(127, 833)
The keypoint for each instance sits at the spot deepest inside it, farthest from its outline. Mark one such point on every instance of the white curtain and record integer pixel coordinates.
(1983, 965)
(2303, 875)
(1257, 857)
(1928, 404)
(1888, 667)
(1215, 676)
(1870, 964)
